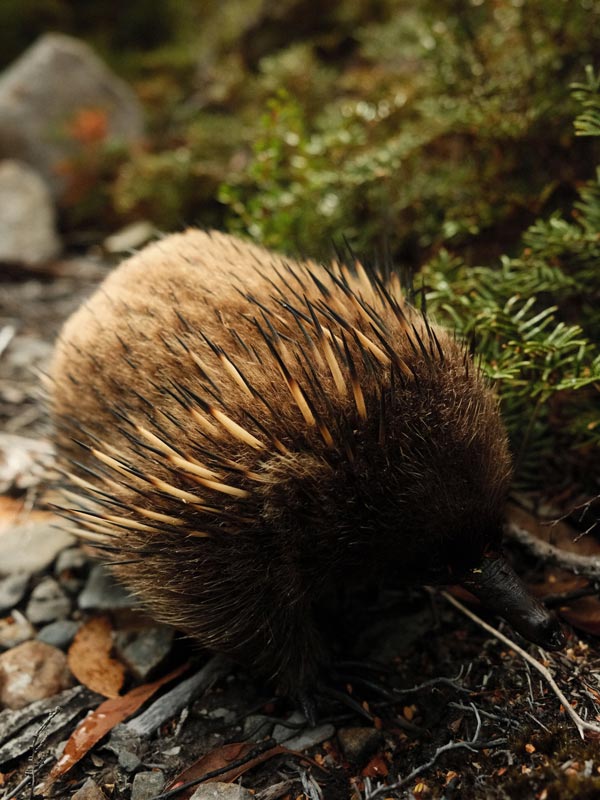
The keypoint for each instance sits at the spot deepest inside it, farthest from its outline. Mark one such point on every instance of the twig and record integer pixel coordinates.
(13, 794)
(588, 566)
(471, 745)
(581, 724)
(451, 682)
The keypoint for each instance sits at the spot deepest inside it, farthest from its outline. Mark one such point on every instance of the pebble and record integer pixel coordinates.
(59, 634)
(89, 791)
(147, 785)
(27, 216)
(32, 671)
(32, 546)
(70, 569)
(103, 592)
(221, 791)
(12, 590)
(15, 630)
(81, 87)
(282, 732)
(128, 760)
(73, 559)
(145, 650)
(257, 726)
(358, 743)
(311, 737)
(298, 739)
(226, 715)
(47, 603)
(130, 237)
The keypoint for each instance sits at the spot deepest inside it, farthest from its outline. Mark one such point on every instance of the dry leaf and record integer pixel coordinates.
(221, 757)
(90, 660)
(560, 533)
(99, 722)
(583, 614)
(376, 768)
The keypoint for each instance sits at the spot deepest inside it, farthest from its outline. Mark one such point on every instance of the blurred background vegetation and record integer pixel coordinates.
(439, 135)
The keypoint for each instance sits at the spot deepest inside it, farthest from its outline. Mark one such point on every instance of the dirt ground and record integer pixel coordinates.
(504, 731)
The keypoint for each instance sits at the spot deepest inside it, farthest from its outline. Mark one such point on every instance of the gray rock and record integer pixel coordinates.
(14, 630)
(27, 219)
(301, 739)
(32, 546)
(103, 592)
(32, 671)
(59, 634)
(311, 737)
(257, 726)
(89, 791)
(128, 760)
(12, 590)
(145, 650)
(73, 559)
(24, 462)
(130, 237)
(221, 791)
(358, 743)
(47, 603)
(227, 716)
(71, 568)
(46, 91)
(282, 732)
(147, 785)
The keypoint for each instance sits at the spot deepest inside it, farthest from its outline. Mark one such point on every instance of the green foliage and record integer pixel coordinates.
(452, 126)
(536, 318)
(440, 131)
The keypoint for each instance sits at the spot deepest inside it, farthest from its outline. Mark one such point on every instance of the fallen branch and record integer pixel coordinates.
(588, 566)
(581, 724)
(472, 744)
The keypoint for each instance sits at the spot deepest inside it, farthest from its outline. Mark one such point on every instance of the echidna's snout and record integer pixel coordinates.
(498, 586)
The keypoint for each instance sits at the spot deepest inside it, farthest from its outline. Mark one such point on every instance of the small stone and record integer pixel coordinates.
(71, 560)
(147, 785)
(48, 603)
(15, 630)
(71, 569)
(227, 716)
(24, 462)
(221, 791)
(86, 99)
(32, 546)
(145, 650)
(12, 590)
(32, 671)
(257, 726)
(311, 737)
(128, 760)
(89, 791)
(282, 732)
(299, 739)
(130, 237)
(59, 634)
(104, 593)
(27, 218)
(358, 743)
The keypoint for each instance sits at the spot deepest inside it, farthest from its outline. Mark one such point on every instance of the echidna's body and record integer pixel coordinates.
(247, 433)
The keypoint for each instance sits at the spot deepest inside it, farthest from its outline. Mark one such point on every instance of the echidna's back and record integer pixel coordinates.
(246, 429)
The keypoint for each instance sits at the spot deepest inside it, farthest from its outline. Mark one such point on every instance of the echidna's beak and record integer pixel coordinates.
(499, 587)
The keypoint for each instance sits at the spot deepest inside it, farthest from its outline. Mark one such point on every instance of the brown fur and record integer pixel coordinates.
(367, 443)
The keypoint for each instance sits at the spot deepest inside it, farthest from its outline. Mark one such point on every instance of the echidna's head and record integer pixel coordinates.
(435, 493)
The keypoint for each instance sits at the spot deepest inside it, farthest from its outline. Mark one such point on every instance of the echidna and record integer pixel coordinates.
(244, 434)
